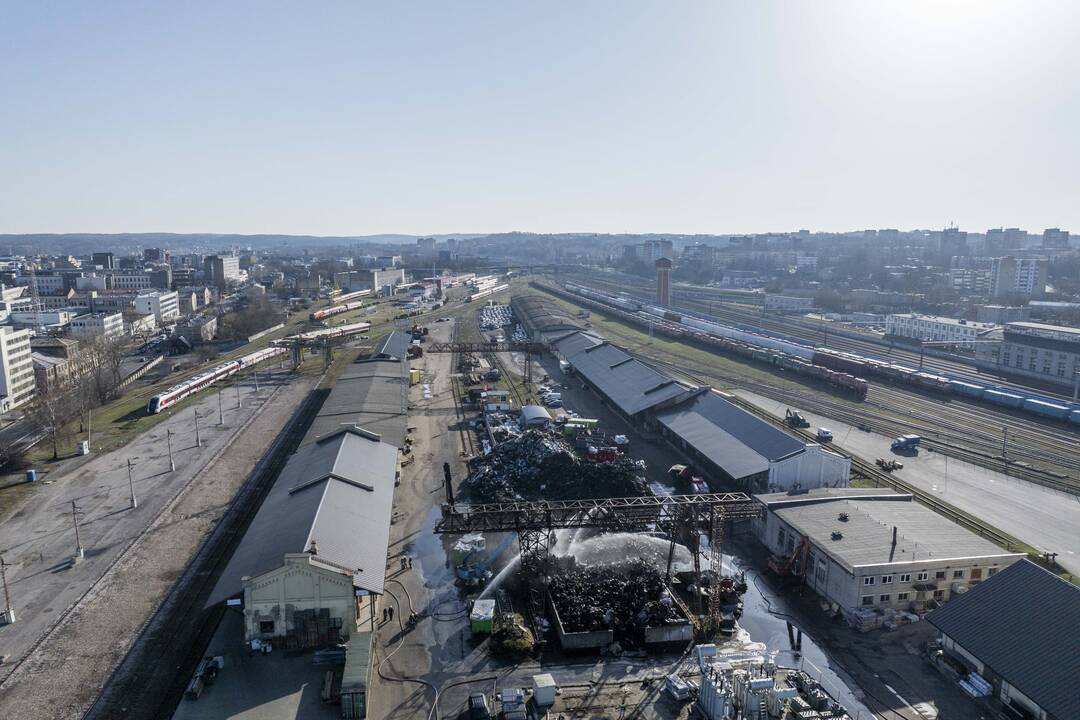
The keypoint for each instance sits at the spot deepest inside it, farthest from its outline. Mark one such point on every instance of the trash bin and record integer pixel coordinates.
(31, 475)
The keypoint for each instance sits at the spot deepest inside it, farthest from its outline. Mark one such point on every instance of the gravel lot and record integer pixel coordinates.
(77, 622)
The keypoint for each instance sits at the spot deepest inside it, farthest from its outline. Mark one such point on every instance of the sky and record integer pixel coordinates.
(350, 118)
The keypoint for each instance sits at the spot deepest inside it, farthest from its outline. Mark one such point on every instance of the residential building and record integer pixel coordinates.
(875, 548)
(16, 368)
(970, 281)
(1017, 631)
(197, 329)
(950, 242)
(387, 260)
(138, 324)
(1024, 277)
(1055, 239)
(129, 281)
(1037, 350)
(425, 247)
(104, 326)
(999, 240)
(187, 300)
(42, 284)
(164, 306)
(155, 255)
(934, 329)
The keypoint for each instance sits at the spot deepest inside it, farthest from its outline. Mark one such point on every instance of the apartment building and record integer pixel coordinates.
(95, 326)
(164, 306)
(16, 368)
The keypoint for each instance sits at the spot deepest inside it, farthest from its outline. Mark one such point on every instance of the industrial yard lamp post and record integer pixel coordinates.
(9, 612)
(255, 374)
(78, 540)
(198, 440)
(168, 438)
(131, 485)
(238, 394)
(220, 411)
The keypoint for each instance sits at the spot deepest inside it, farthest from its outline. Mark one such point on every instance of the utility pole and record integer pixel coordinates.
(238, 393)
(255, 373)
(168, 438)
(220, 411)
(1005, 443)
(198, 440)
(78, 541)
(89, 423)
(9, 611)
(131, 487)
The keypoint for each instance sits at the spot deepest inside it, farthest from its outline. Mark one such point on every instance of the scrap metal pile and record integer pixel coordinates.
(626, 597)
(539, 466)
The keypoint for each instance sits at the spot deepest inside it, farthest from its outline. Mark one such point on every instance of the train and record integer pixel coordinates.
(787, 350)
(205, 379)
(335, 310)
(313, 336)
(489, 290)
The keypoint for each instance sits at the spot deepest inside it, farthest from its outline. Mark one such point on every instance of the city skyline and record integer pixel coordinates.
(356, 120)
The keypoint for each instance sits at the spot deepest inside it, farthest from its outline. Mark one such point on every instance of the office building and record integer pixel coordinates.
(16, 368)
(104, 260)
(1055, 239)
(931, 328)
(220, 269)
(103, 326)
(875, 548)
(1046, 352)
(164, 306)
(1023, 277)
(129, 281)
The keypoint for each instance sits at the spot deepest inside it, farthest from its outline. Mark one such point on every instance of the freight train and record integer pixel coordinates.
(205, 379)
(786, 350)
(722, 339)
(335, 310)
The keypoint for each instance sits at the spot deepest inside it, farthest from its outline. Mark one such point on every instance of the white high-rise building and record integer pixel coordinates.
(16, 368)
(1019, 276)
(164, 306)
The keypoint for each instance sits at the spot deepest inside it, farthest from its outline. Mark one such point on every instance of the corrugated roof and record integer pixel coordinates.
(1022, 622)
(629, 383)
(575, 342)
(531, 413)
(369, 395)
(739, 442)
(337, 492)
(866, 533)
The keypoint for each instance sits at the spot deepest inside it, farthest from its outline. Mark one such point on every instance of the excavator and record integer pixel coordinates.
(794, 566)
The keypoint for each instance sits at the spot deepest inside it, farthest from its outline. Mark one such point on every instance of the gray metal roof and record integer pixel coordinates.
(629, 383)
(1023, 623)
(739, 442)
(532, 413)
(574, 342)
(922, 534)
(369, 395)
(392, 345)
(337, 492)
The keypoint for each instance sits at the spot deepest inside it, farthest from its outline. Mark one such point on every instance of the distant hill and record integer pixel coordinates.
(88, 242)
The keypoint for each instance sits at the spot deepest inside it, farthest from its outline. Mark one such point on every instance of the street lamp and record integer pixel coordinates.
(131, 485)
(168, 438)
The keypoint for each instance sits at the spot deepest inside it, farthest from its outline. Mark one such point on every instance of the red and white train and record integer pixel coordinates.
(205, 379)
(335, 310)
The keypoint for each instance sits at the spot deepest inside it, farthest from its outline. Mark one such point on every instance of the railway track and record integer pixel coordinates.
(961, 432)
(174, 640)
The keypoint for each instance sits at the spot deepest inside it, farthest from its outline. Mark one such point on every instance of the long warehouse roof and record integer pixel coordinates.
(369, 394)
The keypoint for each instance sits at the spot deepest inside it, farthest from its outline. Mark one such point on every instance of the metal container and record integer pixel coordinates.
(31, 475)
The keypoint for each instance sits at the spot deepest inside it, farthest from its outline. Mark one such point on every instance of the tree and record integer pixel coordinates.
(51, 411)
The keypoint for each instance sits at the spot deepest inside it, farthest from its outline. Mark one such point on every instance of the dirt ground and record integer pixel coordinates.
(65, 669)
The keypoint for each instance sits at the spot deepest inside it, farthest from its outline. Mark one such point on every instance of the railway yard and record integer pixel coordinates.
(556, 544)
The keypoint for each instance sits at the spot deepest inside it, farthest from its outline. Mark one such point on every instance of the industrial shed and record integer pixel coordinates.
(534, 416)
(874, 548)
(392, 346)
(371, 394)
(542, 317)
(1018, 630)
(317, 548)
(746, 452)
(628, 384)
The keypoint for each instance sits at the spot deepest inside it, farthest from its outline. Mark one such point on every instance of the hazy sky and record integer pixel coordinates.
(354, 117)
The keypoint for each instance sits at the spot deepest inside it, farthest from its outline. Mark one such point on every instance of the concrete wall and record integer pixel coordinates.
(814, 468)
(571, 641)
(296, 585)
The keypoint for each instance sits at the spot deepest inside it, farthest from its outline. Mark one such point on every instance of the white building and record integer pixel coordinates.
(130, 281)
(106, 326)
(164, 306)
(874, 548)
(16, 368)
(786, 303)
(1018, 276)
(1046, 352)
(933, 328)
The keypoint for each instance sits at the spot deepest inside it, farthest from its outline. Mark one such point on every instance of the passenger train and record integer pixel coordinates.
(335, 310)
(205, 379)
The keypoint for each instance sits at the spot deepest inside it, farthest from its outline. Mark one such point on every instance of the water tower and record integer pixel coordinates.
(663, 282)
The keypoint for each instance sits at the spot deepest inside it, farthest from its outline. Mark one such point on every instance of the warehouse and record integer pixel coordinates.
(745, 452)
(1018, 632)
(371, 394)
(874, 548)
(629, 385)
(391, 346)
(542, 318)
(316, 551)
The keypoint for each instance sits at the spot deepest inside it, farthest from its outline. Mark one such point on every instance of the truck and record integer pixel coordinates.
(906, 444)
(824, 434)
(566, 367)
(793, 418)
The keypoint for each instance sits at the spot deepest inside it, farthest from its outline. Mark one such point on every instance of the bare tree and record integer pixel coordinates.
(51, 412)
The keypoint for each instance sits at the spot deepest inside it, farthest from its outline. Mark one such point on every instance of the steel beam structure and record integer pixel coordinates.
(487, 347)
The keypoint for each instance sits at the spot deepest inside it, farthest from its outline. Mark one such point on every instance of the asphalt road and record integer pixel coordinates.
(1044, 518)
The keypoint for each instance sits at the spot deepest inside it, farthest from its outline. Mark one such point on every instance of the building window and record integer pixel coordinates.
(901, 596)
(781, 537)
(939, 594)
(991, 571)
(886, 579)
(868, 580)
(884, 598)
(922, 576)
(957, 574)
(266, 626)
(976, 573)
(906, 577)
(939, 575)
(868, 600)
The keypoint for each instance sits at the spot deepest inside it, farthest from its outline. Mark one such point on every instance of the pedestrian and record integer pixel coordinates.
(391, 611)
(403, 560)
(384, 618)
(410, 563)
